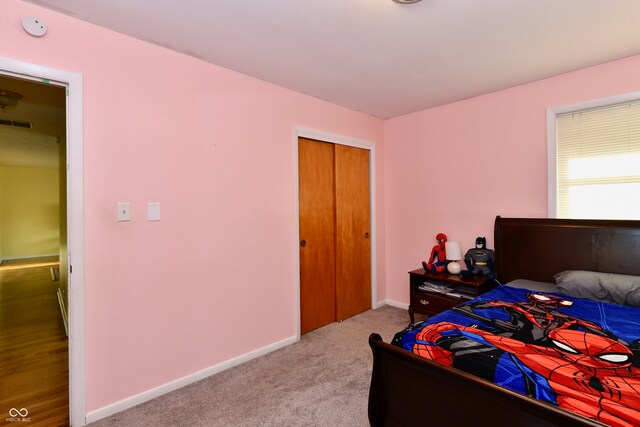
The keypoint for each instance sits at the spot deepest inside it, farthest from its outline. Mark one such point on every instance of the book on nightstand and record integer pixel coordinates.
(462, 292)
(435, 287)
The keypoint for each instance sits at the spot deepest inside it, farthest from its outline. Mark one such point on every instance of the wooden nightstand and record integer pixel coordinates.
(429, 302)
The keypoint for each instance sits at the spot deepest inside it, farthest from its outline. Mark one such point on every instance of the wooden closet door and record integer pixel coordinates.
(317, 234)
(353, 249)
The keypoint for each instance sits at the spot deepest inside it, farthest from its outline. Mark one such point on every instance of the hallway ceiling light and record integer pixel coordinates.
(9, 99)
(406, 1)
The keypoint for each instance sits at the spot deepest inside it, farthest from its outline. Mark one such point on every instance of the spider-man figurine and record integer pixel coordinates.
(438, 252)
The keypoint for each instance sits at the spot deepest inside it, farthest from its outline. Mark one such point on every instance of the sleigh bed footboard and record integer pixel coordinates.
(408, 390)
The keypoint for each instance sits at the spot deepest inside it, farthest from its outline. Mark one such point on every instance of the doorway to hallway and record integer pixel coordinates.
(70, 251)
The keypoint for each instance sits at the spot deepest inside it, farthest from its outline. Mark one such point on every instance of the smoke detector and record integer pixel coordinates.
(34, 26)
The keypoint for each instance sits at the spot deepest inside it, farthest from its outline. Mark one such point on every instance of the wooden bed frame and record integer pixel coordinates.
(408, 390)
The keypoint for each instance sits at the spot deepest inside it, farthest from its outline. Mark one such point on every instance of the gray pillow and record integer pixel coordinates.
(607, 287)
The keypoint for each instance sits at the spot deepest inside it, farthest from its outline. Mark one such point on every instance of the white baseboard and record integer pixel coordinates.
(145, 396)
(393, 303)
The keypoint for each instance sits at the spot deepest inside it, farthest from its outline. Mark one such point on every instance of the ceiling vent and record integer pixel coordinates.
(15, 124)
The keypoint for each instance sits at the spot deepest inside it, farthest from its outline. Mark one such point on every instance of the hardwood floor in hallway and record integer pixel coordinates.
(34, 367)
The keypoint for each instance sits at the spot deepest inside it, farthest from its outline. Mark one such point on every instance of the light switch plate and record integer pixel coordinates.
(124, 211)
(153, 211)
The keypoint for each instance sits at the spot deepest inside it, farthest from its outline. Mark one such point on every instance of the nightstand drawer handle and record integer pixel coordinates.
(424, 302)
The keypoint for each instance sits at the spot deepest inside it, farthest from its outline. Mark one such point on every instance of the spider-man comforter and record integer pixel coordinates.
(580, 355)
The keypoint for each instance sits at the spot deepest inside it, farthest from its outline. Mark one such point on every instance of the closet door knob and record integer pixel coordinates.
(366, 235)
(303, 243)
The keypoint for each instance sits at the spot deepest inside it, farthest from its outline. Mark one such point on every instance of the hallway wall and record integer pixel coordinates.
(29, 212)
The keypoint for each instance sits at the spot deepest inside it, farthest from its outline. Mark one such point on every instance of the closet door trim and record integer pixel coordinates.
(302, 132)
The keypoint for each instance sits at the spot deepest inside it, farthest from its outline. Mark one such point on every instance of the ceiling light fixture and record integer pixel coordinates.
(406, 1)
(9, 99)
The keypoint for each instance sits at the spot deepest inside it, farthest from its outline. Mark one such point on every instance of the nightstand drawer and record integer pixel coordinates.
(431, 302)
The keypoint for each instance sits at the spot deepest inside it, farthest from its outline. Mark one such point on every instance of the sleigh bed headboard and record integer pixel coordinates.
(538, 248)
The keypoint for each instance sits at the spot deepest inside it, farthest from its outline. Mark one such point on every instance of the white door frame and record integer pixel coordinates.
(75, 221)
(301, 132)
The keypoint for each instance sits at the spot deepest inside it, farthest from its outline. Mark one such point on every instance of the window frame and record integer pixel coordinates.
(552, 113)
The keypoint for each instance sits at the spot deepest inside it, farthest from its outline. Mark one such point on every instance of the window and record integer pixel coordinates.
(594, 159)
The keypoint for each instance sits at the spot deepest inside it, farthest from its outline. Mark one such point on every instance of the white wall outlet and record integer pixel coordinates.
(124, 211)
(153, 211)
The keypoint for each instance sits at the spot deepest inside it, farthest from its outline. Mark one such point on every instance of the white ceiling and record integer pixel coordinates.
(377, 56)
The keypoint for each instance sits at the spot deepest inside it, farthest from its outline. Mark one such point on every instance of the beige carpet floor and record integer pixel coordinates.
(323, 380)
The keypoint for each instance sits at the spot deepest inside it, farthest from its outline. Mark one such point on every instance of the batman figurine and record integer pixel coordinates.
(480, 260)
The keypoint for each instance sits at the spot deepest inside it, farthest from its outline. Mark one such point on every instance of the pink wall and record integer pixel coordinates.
(166, 299)
(455, 167)
(215, 278)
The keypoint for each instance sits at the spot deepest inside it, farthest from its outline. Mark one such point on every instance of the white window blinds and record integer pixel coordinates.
(598, 162)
